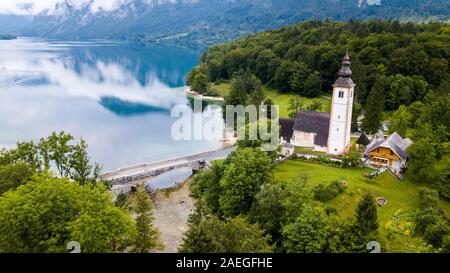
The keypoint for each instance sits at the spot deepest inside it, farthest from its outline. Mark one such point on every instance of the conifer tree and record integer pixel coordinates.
(374, 108)
(147, 236)
(366, 215)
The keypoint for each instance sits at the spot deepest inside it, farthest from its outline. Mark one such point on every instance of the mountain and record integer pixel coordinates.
(14, 24)
(212, 21)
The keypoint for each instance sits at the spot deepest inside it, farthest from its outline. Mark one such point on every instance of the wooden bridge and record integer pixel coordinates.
(143, 171)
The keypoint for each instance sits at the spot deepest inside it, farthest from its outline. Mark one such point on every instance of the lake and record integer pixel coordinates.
(117, 96)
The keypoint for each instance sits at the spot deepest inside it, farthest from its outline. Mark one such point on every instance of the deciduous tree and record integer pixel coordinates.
(46, 213)
(243, 177)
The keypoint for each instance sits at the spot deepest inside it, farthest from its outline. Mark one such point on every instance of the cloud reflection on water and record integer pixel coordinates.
(45, 87)
(94, 81)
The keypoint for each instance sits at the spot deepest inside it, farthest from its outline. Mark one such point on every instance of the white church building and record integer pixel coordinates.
(325, 132)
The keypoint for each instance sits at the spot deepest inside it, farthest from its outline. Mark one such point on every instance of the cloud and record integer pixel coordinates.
(32, 7)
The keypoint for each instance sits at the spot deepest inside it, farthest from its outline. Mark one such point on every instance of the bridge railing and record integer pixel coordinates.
(196, 164)
(149, 165)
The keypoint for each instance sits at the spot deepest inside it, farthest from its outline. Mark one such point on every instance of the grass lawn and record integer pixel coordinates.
(223, 89)
(218, 161)
(282, 100)
(278, 98)
(306, 150)
(400, 195)
(353, 143)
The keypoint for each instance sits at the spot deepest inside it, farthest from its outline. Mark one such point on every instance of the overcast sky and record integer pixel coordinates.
(36, 6)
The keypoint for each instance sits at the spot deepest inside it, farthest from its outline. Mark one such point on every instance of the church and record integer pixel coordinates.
(325, 132)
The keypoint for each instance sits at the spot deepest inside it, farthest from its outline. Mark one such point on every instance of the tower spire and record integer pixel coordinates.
(345, 69)
(345, 73)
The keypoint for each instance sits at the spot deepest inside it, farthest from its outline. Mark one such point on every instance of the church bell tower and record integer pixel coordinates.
(341, 110)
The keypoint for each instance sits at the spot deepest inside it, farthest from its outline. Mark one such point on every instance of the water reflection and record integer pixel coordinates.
(115, 95)
(126, 108)
(168, 179)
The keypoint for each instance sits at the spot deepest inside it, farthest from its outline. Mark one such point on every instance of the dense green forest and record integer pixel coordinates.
(285, 58)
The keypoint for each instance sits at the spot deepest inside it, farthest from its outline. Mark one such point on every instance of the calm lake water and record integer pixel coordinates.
(117, 96)
(168, 179)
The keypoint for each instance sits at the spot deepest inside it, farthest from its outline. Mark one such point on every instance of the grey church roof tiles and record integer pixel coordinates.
(344, 82)
(286, 128)
(314, 122)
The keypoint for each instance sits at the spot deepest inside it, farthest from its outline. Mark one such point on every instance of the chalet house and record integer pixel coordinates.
(388, 151)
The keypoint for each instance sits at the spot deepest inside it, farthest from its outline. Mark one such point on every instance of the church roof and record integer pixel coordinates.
(394, 142)
(314, 122)
(286, 128)
(344, 82)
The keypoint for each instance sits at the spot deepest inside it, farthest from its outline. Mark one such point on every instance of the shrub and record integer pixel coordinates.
(352, 159)
(425, 218)
(326, 193)
(212, 93)
(443, 187)
(427, 199)
(429, 221)
(435, 233)
(329, 210)
(446, 244)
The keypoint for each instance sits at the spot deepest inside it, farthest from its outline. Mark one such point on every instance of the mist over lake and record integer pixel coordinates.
(116, 95)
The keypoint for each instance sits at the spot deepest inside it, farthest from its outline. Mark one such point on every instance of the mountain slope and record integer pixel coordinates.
(13, 24)
(213, 21)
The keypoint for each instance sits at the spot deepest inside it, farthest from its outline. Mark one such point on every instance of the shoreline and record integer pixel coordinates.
(187, 90)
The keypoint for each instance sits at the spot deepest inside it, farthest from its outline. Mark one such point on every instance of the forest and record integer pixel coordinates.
(414, 56)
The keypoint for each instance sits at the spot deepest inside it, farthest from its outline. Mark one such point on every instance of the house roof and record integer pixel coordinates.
(394, 142)
(286, 128)
(363, 140)
(313, 122)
